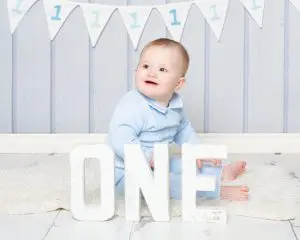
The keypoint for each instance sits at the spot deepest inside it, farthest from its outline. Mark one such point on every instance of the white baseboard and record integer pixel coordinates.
(64, 143)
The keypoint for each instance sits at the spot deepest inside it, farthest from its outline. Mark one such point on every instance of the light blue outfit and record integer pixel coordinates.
(139, 119)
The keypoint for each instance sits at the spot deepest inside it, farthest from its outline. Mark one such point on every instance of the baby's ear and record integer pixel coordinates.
(180, 83)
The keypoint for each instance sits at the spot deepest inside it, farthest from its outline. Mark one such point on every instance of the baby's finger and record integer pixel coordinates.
(210, 161)
(199, 163)
(217, 162)
(213, 162)
(151, 163)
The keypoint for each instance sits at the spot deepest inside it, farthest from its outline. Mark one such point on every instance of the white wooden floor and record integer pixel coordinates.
(60, 225)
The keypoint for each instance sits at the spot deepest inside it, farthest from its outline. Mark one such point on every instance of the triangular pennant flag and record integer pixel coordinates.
(175, 15)
(57, 11)
(296, 4)
(215, 12)
(17, 10)
(256, 10)
(135, 18)
(96, 17)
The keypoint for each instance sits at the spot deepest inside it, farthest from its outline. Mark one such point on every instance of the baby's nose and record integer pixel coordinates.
(151, 72)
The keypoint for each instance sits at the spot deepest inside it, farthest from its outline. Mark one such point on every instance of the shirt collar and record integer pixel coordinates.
(175, 102)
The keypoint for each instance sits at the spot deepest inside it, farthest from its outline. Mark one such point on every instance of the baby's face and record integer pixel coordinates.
(159, 72)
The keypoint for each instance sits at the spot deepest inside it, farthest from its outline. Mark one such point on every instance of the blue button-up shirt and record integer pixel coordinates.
(141, 120)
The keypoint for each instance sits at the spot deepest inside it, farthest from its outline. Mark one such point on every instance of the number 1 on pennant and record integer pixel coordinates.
(17, 9)
(175, 21)
(254, 5)
(134, 24)
(58, 10)
(96, 23)
(214, 11)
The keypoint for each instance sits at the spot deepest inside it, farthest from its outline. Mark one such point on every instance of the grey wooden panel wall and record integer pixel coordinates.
(109, 70)
(266, 71)
(31, 74)
(70, 77)
(293, 71)
(5, 72)
(194, 39)
(247, 82)
(225, 74)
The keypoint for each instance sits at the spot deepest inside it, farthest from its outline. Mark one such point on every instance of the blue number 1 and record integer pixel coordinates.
(175, 21)
(96, 23)
(17, 9)
(215, 14)
(58, 9)
(134, 24)
(254, 5)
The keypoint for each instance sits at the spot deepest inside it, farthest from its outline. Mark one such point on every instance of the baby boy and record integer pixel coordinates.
(154, 113)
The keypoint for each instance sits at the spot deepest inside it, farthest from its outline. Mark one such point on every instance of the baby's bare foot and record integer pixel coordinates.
(235, 193)
(233, 170)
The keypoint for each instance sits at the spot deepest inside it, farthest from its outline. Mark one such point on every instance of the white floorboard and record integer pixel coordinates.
(297, 231)
(236, 229)
(66, 228)
(20, 227)
(36, 227)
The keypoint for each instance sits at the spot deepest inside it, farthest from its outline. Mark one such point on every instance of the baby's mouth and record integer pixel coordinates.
(150, 82)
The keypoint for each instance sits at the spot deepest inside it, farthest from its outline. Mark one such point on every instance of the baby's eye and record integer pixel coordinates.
(145, 66)
(163, 70)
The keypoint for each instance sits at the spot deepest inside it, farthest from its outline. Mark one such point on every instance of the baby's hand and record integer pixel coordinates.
(211, 162)
(152, 163)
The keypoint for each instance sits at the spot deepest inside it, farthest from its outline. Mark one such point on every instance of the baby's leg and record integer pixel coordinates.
(233, 170)
(175, 179)
(230, 173)
(176, 187)
(235, 193)
(119, 181)
(214, 171)
(175, 165)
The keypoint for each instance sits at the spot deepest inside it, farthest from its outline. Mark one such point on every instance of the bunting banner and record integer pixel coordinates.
(255, 9)
(17, 9)
(215, 13)
(57, 11)
(135, 17)
(96, 17)
(175, 16)
(296, 4)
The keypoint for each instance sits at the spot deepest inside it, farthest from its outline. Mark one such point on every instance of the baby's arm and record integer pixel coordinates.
(121, 135)
(125, 126)
(187, 134)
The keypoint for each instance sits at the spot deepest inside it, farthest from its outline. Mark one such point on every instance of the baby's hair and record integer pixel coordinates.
(166, 42)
